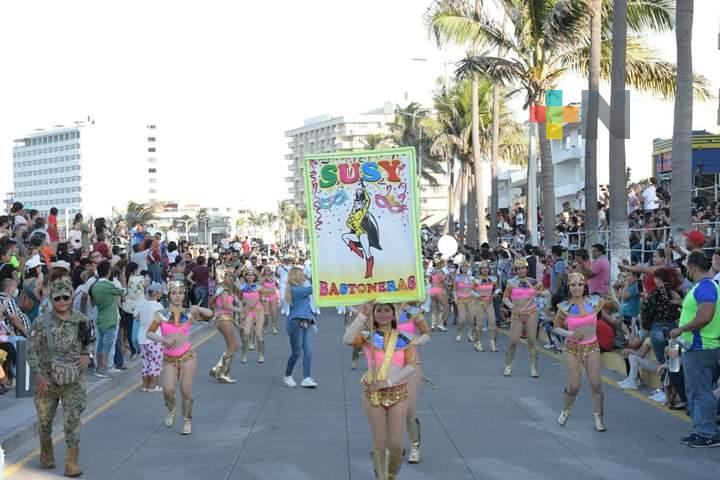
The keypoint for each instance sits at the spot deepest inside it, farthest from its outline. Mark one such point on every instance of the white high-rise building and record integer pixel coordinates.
(327, 134)
(84, 168)
(152, 164)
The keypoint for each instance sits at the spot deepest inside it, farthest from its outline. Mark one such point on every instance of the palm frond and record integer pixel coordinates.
(502, 70)
(462, 26)
(566, 23)
(643, 15)
(644, 70)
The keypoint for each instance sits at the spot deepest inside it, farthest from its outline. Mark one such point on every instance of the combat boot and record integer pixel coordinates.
(72, 467)
(47, 455)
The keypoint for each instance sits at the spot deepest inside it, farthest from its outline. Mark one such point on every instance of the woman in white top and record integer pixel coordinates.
(150, 351)
(129, 306)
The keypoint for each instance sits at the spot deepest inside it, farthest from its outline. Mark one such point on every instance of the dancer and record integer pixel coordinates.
(179, 360)
(577, 321)
(225, 303)
(519, 296)
(412, 321)
(391, 363)
(463, 299)
(438, 297)
(253, 316)
(482, 307)
(364, 234)
(270, 297)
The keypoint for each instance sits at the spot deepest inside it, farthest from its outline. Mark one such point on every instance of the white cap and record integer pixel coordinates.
(33, 262)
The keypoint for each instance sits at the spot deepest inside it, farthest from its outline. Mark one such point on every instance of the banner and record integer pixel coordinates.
(363, 224)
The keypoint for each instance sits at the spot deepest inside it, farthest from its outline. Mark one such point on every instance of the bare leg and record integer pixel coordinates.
(259, 335)
(574, 372)
(445, 303)
(462, 315)
(593, 367)
(516, 329)
(413, 423)
(434, 307)
(274, 316)
(187, 375)
(378, 425)
(531, 331)
(169, 380)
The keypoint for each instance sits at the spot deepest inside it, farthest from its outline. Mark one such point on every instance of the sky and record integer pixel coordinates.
(224, 80)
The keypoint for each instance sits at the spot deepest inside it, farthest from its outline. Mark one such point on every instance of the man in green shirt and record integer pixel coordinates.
(699, 327)
(105, 296)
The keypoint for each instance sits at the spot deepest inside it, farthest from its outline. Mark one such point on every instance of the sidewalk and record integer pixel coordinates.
(17, 415)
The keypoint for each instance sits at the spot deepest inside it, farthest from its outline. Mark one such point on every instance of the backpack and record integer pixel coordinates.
(26, 302)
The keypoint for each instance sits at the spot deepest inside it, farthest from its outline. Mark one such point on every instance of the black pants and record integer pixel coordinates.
(10, 360)
(127, 320)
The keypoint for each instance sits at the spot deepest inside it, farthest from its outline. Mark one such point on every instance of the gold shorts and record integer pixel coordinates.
(581, 351)
(177, 362)
(387, 397)
(226, 317)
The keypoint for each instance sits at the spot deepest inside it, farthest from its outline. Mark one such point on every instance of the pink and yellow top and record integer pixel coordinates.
(574, 318)
(169, 326)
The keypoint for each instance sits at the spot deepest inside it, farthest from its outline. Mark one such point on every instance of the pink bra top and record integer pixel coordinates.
(464, 289)
(219, 305)
(484, 288)
(437, 277)
(251, 296)
(398, 358)
(522, 293)
(576, 322)
(168, 328)
(268, 285)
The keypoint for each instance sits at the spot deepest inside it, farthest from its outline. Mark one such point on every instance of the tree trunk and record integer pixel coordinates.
(531, 190)
(591, 125)
(463, 205)
(494, 198)
(477, 164)
(450, 222)
(548, 188)
(619, 232)
(472, 212)
(680, 209)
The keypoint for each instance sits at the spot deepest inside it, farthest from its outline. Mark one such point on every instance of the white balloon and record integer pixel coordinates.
(447, 245)
(458, 259)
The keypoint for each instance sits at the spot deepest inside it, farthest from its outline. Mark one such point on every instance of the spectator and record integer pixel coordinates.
(558, 276)
(633, 201)
(102, 247)
(630, 298)
(660, 310)
(75, 234)
(150, 351)
(5, 231)
(129, 307)
(31, 296)
(7, 270)
(17, 323)
(52, 226)
(598, 275)
(699, 327)
(649, 194)
(637, 359)
(105, 296)
(198, 278)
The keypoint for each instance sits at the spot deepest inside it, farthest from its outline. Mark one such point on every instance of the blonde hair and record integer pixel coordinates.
(296, 278)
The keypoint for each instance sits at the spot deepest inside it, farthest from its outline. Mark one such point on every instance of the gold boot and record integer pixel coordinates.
(187, 406)
(261, 350)
(217, 368)
(244, 340)
(72, 467)
(223, 375)
(355, 357)
(533, 363)
(493, 344)
(509, 356)
(413, 428)
(379, 460)
(275, 325)
(394, 462)
(47, 454)
(251, 347)
(568, 402)
(598, 411)
(172, 410)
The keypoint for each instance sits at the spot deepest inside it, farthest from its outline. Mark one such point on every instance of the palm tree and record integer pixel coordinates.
(548, 38)
(619, 238)
(407, 131)
(591, 121)
(680, 212)
(451, 132)
(375, 141)
(187, 221)
(137, 213)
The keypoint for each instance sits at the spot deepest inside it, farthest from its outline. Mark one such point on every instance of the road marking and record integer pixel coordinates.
(15, 467)
(633, 393)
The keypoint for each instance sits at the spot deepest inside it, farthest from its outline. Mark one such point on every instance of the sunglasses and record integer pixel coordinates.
(64, 298)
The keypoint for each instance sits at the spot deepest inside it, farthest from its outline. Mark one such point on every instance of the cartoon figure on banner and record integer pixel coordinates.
(364, 234)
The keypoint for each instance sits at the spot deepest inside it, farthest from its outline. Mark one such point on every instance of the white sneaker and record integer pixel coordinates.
(308, 382)
(628, 384)
(659, 397)
(114, 370)
(289, 382)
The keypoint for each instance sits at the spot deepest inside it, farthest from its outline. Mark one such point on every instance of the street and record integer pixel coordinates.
(476, 424)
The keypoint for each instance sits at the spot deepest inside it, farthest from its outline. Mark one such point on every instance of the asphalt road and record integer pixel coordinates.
(477, 424)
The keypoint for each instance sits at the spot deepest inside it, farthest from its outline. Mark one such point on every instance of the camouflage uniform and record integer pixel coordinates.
(71, 339)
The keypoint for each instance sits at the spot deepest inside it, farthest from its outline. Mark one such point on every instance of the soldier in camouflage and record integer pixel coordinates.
(60, 335)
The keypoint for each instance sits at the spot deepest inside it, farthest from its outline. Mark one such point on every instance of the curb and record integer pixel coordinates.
(15, 438)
